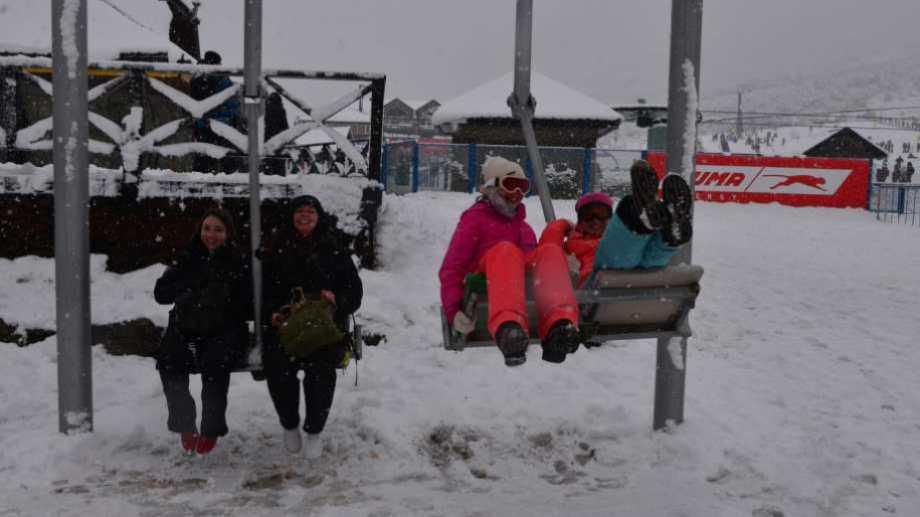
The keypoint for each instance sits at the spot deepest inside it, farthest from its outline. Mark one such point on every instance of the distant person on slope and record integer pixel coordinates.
(882, 173)
(493, 238)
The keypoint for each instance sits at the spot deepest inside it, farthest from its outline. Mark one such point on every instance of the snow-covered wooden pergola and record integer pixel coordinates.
(564, 116)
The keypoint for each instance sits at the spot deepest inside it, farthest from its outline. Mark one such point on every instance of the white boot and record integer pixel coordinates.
(314, 448)
(292, 440)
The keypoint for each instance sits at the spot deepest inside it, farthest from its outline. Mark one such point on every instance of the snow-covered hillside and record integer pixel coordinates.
(878, 83)
(801, 397)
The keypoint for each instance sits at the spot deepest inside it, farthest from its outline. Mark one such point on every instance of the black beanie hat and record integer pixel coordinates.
(307, 200)
(210, 58)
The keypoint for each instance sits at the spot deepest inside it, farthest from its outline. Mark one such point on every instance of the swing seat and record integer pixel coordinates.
(617, 305)
(251, 360)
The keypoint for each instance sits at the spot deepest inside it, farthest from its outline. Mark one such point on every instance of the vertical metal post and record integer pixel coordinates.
(683, 104)
(384, 165)
(252, 43)
(871, 175)
(415, 154)
(7, 112)
(377, 90)
(586, 171)
(523, 104)
(71, 216)
(471, 168)
(377, 170)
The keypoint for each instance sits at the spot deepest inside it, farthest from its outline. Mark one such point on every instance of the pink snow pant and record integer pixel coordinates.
(504, 265)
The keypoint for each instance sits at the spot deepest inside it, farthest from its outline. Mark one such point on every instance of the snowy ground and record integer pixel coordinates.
(801, 396)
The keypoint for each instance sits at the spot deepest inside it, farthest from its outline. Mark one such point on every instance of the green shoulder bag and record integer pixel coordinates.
(309, 326)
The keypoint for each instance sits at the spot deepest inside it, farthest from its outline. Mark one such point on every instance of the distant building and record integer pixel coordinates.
(643, 113)
(358, 123)
(410, 117)
(846, 143)
(424, 112)
(564, 117)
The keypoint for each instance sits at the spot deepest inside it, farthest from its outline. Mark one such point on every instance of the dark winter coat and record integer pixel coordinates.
(196, 269)
(203, 86)
(275, 115)
(318, 262)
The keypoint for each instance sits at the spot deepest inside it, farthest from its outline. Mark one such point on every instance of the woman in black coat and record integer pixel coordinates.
(307, 253)
(209, 287)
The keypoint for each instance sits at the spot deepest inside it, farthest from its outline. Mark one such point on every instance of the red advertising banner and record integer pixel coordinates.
(795, 181)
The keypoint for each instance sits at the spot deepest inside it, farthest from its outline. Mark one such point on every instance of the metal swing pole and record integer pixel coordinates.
(523, 104)
(683, 103)
(253, 101)
(71, 216)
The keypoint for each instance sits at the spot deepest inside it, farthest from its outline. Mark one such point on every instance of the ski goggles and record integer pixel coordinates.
(512, 183)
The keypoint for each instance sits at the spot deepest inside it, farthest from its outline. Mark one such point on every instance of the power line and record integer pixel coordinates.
(819, 114)
(819, 126)
(130, 18)
(865, 118)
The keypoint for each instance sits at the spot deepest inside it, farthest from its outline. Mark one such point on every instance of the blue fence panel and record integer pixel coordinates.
(472, 169)
(399, 167)
(415, 158)
(443, 167)
(385, 166)
(895, 202)
(570, 171)
(586, 172)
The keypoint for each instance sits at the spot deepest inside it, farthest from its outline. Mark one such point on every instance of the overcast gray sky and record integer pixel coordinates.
(613, 50)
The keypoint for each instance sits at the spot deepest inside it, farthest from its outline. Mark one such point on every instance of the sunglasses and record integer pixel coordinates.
(512, 183)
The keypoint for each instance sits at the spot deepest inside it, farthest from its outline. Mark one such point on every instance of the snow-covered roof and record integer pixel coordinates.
(871, 135)
(554, 101)
(814, 137)
(653, 103)
(128, 26)
(319, 137)
(415, 104)
(351, 115)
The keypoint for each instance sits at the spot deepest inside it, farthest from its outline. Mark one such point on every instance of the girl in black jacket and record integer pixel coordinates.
(309, 254)
(209, 285)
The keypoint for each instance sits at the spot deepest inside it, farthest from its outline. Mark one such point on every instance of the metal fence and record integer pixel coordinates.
(570, 171)
(895, 203)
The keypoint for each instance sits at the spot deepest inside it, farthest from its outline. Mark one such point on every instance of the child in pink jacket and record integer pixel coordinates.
(493, 237)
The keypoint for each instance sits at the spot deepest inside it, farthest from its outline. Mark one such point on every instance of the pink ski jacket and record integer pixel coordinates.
(480, 228)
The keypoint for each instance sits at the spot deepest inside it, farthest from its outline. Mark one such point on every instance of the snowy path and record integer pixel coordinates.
(801, 397)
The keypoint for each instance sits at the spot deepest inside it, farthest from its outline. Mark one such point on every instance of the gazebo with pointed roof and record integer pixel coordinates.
(564, 117)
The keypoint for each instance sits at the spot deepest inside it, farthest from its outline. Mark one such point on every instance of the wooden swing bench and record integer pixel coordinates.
(617, 305)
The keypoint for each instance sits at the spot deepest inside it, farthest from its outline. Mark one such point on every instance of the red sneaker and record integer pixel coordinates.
(189, 442)
(206, 444)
